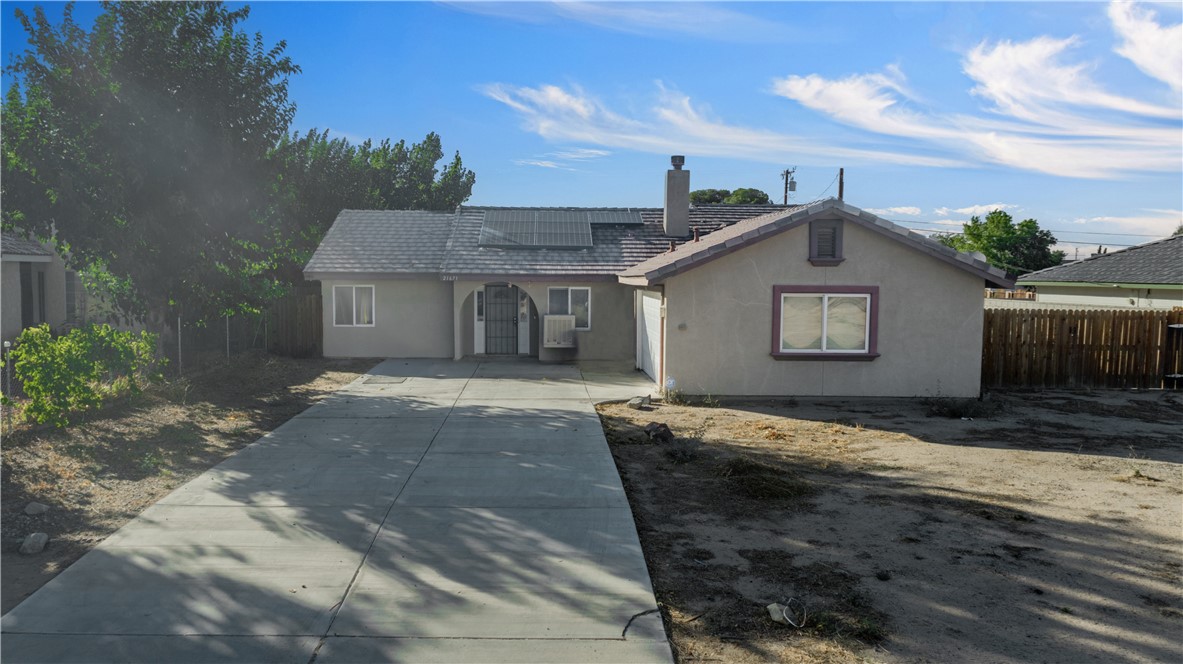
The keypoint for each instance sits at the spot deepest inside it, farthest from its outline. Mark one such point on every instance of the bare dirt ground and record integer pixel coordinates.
(101, 472)
(1049, 530)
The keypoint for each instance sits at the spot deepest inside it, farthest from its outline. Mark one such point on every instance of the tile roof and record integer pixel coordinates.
(1158, 262)
(416, 242)
(726, 240)
(448, 243)
(11, 244)
(384, 241)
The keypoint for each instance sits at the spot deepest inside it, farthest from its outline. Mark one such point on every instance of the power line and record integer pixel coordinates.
(937, 223)
(819, 196)
(1058, 242)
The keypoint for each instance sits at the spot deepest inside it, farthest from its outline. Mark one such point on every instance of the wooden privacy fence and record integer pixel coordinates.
(295, 325)
(1070, 348)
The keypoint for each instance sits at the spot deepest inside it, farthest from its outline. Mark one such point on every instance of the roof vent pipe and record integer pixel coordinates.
(676, 220)
(696, 234)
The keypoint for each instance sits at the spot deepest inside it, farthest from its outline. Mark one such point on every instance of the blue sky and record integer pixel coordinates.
(1070, 113)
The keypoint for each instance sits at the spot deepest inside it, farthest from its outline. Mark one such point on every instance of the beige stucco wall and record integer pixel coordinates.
(412, 318)
(612, 332)
(719, 322)
(1117, 298)
(10, 292)
(10, 297)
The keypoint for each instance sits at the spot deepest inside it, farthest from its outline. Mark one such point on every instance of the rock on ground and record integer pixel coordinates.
(34, 543)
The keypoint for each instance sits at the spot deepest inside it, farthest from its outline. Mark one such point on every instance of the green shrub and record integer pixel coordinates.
(78, 371)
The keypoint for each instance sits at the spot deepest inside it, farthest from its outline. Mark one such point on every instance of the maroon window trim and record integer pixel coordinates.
(872, 331)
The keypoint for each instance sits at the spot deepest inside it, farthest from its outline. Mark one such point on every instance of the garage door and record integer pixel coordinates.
(649, 334)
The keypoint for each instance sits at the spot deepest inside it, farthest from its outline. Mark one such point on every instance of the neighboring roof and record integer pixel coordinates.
(16, 246)
(384, 241)
(1158, 262)
(417, 242)
(692, 254)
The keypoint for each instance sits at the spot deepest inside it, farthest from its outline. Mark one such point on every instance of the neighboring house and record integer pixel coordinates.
(822, 299)
(37, 288)
(1148, 276)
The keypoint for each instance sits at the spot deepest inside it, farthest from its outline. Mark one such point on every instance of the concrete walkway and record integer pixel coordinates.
(428, 512)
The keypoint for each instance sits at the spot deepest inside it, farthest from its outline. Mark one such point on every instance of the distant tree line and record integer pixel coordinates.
(155, 149)
(741, 196)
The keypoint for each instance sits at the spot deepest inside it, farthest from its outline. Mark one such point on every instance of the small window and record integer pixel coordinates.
(71, 297)
(353, 306)
(480, 306)
(825, 242)
(825, 322)
(571, 301)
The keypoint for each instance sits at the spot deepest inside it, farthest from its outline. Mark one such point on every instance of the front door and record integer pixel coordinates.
(501, 320)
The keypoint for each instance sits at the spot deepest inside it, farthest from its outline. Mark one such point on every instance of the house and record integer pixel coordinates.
(817, 299)
(37, 288)
(1148, 276)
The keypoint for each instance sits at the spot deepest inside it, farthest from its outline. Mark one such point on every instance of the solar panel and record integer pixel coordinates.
(614, 217)
(536, 228)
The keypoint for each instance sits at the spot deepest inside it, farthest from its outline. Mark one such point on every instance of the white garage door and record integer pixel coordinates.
(649, 334)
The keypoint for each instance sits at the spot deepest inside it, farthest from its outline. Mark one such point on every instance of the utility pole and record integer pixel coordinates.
(841, 182)
(790, 183)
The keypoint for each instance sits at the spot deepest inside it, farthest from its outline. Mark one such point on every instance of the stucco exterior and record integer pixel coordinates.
(1150, 297)
(610, 337)
(54, 271)
(718, 325)
(412, 318)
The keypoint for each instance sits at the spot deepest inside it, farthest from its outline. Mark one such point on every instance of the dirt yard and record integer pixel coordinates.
(1049, 527)
(98, 474)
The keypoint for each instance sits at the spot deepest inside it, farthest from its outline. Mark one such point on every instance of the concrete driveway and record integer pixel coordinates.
(428, 512)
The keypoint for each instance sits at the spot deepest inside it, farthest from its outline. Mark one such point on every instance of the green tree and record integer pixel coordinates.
(744, 196)
(741, 196)
(708, 196)
(1178, 230)
(1017, 248)
(141, 146)
(320, 176)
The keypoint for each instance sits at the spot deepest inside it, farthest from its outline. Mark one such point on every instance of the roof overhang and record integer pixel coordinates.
(26, 258)
(1101, 284)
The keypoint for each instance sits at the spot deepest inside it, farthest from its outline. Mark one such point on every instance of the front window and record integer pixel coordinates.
(824, 321)
(571, 301)
(353, 306)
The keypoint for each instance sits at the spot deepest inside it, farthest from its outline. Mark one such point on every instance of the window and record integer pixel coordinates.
(353, 306)
(71, 296)
(825, 322)
(480, 305)
(571, 301)
(825, 242)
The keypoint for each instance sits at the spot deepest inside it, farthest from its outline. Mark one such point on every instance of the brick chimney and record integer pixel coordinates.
(676, 220)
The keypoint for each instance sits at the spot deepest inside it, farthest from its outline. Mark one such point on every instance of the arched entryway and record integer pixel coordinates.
(504, 321)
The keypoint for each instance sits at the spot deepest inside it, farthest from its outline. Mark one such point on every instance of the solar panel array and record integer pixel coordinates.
(536, 228)
(614, 216)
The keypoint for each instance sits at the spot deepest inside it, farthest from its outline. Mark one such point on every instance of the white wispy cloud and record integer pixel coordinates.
(1155, 49)
(579, 154)
(1042, 113)
(906, 211)
(697, 20)
(541, 163)
(975, 210)
(673, 125)
(1149, 221)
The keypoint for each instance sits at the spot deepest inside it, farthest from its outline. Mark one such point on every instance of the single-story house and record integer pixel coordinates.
(1147, 276)
(37, 287)
(816, 299)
